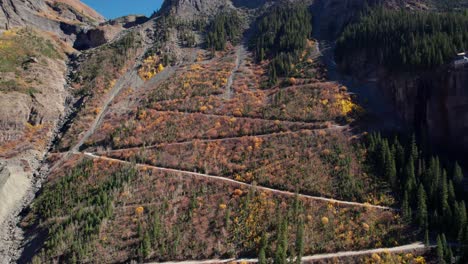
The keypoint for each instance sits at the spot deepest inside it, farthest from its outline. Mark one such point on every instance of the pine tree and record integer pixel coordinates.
(281, 243)
(451, 193)
(146, 245)
(389, 165)
(440, 250)
(410, 184)
(426, 237)
(300, 242)
(458, 177)
(414, 149)
(421, 217)
(443, 194)
(462, 221)
(447, 251)
(405, 207)
(262, 252)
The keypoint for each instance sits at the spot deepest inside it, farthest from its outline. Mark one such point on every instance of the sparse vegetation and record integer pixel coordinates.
(18, 49)
(102, 211)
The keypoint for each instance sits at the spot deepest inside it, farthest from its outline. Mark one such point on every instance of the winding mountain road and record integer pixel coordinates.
(227, 180)
(400, 249)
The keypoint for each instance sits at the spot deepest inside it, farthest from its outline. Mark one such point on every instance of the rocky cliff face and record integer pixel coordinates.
(435, 101)
(188, 9)
(35, 37)
(57, 16)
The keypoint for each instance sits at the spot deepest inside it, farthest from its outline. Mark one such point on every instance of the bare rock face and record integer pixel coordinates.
(93, 37)
(436, 101)
(65, 18)
(33, 95)
(190, 9)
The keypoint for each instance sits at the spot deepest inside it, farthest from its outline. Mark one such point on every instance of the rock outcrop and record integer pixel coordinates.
(57, 16)
(36, 35)
(435, 101)
(190, 9)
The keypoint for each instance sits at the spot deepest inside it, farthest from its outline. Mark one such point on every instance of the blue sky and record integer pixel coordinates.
(116, 8)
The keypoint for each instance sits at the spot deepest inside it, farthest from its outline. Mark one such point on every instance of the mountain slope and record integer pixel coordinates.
(162, 159)
(36, 40)
(220, 130)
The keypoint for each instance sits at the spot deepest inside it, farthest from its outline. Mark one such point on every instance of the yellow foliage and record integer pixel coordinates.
(203, 108)
(196, 67)
(150, 67)
(222, 206)
(365, 226)
(160, 67)
(9, 33)
(142, 115)
(139, 210)
(325, 220)
(409, 256)
(346, 106)
(376, 257)
(237, 112)
(420, 260)
(238, 192)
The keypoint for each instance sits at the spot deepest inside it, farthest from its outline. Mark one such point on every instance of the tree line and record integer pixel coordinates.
(432, 192)
(405, 40)
(281, 35)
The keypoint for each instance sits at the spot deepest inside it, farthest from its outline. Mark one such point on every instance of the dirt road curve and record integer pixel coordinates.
(218, 178)
(400, 249)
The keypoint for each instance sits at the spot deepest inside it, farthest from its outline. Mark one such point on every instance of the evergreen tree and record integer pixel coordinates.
(440, 250)
(462, 221)
(262, 252)
(282, 36)
(413, 149)
(451, 192)
(421, 217)
(389, 165)
(300, 242)
(146, 245)
(281, 243)
(405, 207)
(443, 194)
(408, 40)
(410, 183)
(458, 177)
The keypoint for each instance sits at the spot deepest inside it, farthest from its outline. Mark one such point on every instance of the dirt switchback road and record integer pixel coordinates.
(223, 179)
(400, 249)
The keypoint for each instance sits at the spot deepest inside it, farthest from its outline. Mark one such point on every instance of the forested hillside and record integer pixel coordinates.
(405, 40)
(431, 190)
(226, 26)
(282, 36)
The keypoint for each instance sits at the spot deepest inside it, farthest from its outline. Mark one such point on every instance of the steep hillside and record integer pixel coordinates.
(36, 43)
(218, 131)
(184, 146)
(414, 67)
